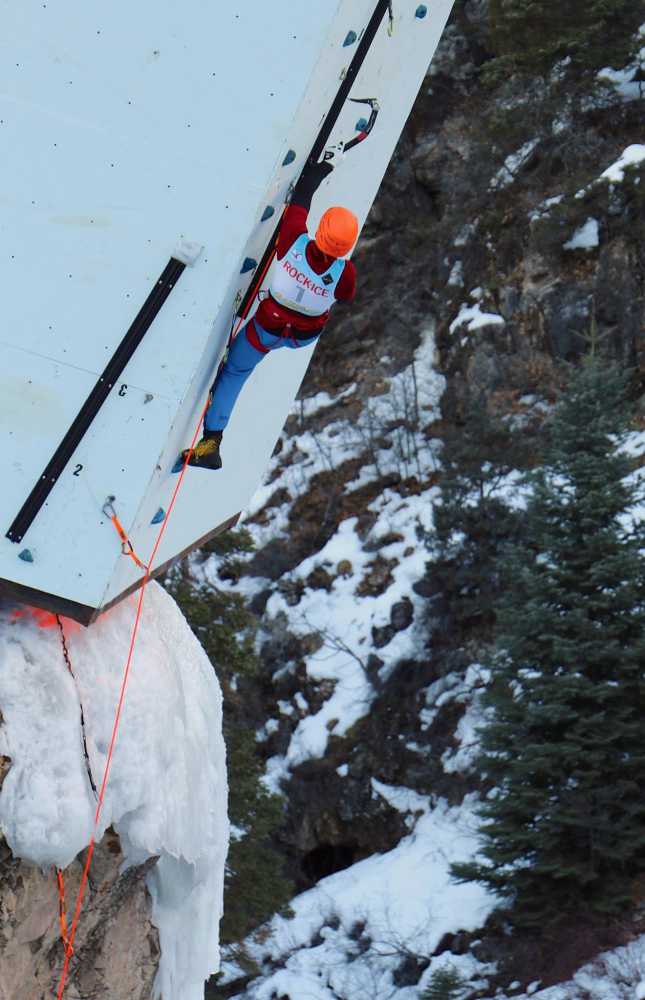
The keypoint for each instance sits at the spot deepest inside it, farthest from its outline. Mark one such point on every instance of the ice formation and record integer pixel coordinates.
(167, 791)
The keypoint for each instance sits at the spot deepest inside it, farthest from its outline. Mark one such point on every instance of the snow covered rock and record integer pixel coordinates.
(166, 797)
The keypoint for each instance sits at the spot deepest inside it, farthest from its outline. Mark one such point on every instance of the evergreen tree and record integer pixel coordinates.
(445, 984)
(474, 520)
(533, 35)
(564, 828)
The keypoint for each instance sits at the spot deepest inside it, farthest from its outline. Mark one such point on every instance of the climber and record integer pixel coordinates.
(307, 277)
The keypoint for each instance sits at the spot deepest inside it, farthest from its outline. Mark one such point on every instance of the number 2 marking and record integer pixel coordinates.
(77, 470)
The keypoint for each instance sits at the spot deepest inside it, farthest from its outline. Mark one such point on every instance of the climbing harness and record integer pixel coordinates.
(127, 547)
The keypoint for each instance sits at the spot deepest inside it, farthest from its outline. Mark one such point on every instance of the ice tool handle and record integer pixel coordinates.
(335, 151)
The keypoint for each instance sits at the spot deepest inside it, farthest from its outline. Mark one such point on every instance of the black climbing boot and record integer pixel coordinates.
(206, 452)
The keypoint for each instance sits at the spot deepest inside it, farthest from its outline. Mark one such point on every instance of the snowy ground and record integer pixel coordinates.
(349, 935)
(342, 618)
(167, 790)
(614, 975)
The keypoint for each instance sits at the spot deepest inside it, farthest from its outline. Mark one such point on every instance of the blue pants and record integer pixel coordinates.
(242, 359)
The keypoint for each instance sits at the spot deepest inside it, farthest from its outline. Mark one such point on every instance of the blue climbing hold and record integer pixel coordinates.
(249, 265)
(159, 516)
(350, 39)
(26, 556)
(361, 124)
(267, 213)
(421, 11)
(289, 158)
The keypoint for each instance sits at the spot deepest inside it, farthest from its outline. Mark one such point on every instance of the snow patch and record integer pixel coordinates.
(512, 166)
(628, 81)
(613, 975)
(584, 238)
(473, 318)
(309, 405)
(463, 236)
(467, 732)
(630, 157)
(545, 207)
(404, 800)
(398, 908)
(456, 276)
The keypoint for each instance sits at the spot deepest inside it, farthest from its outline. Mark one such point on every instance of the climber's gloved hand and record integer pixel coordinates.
(310, 180)
(319, 171)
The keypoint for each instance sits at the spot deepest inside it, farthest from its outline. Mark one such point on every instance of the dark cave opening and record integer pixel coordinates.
(325, 859)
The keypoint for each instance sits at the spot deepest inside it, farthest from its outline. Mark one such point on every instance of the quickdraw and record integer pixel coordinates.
(127, 547)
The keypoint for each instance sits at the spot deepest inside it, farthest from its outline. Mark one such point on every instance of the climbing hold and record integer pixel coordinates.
(159, 516)
(249, 265)
(350, 39)
(289, 158)
(267, 213)
(421, 11)
(26, 556)
(361, 124)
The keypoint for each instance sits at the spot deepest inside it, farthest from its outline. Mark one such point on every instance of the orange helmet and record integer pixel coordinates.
(337, 231)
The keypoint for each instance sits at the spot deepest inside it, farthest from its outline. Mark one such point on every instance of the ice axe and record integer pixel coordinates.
(337, 150)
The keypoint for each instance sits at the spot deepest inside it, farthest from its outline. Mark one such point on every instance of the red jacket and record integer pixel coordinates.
(273, 316)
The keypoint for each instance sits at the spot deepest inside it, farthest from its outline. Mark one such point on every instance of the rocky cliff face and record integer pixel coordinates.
(510, 223)
(116, 950)
(507, 189)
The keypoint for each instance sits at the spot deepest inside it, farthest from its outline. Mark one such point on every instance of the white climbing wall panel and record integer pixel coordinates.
(124, 129)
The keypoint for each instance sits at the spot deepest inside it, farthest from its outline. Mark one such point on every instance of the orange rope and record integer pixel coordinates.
(62, 914)
(119, 709)
(69, 950)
